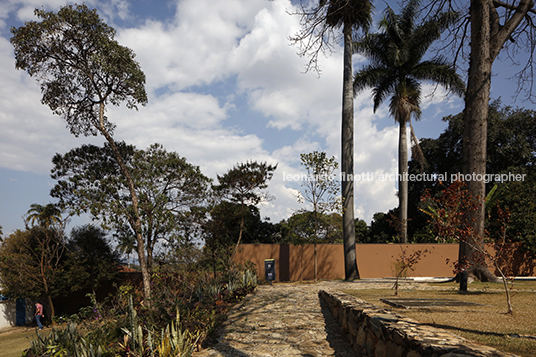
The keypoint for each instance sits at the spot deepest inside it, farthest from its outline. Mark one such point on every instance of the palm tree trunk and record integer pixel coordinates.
(403, 180)
(347, 157)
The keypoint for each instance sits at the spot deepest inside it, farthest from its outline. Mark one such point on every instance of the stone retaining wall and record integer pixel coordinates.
(376, 332)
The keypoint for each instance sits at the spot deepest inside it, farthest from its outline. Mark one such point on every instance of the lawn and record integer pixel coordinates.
(488, 325)
(15, 341)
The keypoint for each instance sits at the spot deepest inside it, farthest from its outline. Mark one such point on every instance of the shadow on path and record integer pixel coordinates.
(281, 323)
(338, 340)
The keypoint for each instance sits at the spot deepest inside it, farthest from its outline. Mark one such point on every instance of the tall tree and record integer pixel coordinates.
(81, 69)
(243, 185)
(89, 180)
(320, 26)
(495, 27)
(488, 36)
(510, 149)
(397, 69)
(319, 190)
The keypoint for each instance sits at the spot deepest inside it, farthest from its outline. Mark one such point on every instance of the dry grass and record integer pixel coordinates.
(488, 325)
(14, 341)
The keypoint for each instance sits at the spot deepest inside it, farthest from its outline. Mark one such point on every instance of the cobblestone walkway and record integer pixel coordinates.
(283, 320)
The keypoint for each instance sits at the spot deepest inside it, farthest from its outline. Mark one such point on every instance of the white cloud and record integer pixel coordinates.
(198, 63)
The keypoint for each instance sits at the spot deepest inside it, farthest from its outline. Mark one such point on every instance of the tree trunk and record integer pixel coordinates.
(146, 277)
(239, 239)
(316, 263)
(475, 132)
(347, 157)
(51, 306)
(403, 180)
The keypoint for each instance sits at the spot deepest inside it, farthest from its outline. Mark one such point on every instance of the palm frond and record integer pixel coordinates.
(438, 70)
(368, 77)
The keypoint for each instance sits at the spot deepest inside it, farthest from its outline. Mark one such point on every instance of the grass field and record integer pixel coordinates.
(488, 325)
(14, 341)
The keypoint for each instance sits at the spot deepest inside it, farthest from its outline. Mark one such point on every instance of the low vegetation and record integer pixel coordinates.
(488, 325)
(185, 312)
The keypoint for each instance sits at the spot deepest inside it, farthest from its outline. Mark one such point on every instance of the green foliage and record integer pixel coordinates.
(243, 184)
(168, 189)
(300, 228)
(397, 69)
(187, 309)
(64, 342)
(362, 231)
(381, 228)
(80, 66)
(242, 187)
(321, 188)
(173, 341)
(89, 260)
(31, 262)
(81, 69)
(17, 268)
(226, 218)
(45, 216)
(396, 54)
(510, 149)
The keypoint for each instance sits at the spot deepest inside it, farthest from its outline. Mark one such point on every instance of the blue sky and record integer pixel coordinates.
(224, 86)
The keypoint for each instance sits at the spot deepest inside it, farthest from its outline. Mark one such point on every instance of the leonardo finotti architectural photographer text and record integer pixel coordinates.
(371, 176)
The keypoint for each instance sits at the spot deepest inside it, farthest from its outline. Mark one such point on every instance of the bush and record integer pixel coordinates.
(187, 307)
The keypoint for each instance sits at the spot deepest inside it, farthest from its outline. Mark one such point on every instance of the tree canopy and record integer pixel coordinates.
(511, 148)
(80, 66)
(45, 216)
(89, 180)
(81, 69)
(31, 263)
(90, 260)
(244, 184)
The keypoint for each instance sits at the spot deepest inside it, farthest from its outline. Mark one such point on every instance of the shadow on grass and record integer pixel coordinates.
(476, 332)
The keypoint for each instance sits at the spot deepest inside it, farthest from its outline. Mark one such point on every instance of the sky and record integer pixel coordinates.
(224, 86)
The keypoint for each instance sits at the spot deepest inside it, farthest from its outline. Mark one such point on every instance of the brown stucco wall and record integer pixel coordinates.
(296, 262)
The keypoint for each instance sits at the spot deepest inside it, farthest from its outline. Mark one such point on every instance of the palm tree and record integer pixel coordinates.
(44, 215)
(317, 36)
(351, 15)
(397, 68)
(126, 245)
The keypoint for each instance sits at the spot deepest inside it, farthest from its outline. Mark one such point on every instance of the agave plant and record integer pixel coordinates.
(249, 280)
(173, 341)
(176, 342)
(66, 342)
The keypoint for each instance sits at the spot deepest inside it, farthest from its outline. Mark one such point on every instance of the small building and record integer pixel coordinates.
(15, 312)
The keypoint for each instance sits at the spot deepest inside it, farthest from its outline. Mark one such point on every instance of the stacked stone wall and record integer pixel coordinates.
(376, 332)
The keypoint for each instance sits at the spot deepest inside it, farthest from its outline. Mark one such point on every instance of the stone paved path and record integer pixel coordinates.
(287, 320)
(281, 320)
